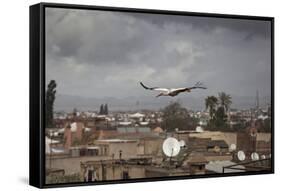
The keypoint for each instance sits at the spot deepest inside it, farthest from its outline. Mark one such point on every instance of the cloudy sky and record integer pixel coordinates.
(106, 54)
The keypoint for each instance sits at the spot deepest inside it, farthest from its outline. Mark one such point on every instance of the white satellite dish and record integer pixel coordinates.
(269, 155)
(255, 156)
(182, 143)
(263, 157)
(199, 129)
(241, 155)
(232, 147)
(171, 147)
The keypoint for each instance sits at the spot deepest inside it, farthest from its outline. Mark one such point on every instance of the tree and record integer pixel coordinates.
(217, 109)
(74, 112)
(177, 117)
(265, 125)
(50, 99)
(101, 109)
(225, 100)
(105, 109)
(220, 119)
(211, 103)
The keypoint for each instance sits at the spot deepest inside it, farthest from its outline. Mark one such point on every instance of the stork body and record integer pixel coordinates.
(173, 91)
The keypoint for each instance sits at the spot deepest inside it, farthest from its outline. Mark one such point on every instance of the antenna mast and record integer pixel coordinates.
(257, 100)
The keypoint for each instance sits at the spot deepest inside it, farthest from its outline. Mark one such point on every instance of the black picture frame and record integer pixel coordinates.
(37, 92)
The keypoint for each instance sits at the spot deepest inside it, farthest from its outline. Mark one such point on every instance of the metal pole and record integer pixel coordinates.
(171, 156)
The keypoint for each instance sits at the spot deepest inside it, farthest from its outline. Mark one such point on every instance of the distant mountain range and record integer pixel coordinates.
(69, 102)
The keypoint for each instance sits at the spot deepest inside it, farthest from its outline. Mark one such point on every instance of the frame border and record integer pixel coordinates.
(37, 92)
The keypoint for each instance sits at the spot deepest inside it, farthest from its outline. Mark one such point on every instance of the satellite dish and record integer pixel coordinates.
(241, 155)
(199, 129)
(263, 157)
(171, 147)
(255, 156)
(232, 147)
(182, 143)
(269, 155)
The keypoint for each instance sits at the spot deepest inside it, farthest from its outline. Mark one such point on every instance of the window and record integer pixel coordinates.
(125, 175)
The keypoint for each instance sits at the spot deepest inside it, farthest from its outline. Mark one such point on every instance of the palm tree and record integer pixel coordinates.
(225, 100)
(211, 103)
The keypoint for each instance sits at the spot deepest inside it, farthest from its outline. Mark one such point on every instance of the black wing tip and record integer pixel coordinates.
(143, 85)
(199, 85)
(204, 88)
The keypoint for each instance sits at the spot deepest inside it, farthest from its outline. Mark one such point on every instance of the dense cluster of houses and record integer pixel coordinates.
(124, 145)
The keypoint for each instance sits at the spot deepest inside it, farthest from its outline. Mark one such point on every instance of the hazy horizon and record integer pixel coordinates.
(68, 103)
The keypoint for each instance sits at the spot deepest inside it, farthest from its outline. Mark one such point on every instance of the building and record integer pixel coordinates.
(73, 134)
(114, 169)
(117, 148)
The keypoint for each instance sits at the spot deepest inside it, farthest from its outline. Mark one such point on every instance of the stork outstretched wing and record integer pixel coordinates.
(154, 88)
(198, 85)
(174, 91)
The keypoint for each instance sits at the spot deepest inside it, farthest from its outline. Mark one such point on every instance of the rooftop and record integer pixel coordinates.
(217, 166)
(115, 141)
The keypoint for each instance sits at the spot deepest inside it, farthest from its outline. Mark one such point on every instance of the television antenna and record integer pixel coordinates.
(255, 156)
(171, 147)
(232, 147)
(241, 155)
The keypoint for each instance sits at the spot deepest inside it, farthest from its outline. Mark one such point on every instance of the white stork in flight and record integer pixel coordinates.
(173, 91)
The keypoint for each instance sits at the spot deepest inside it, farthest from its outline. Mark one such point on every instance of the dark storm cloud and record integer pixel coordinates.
(99, 54)
(252, 27)
(97, 38)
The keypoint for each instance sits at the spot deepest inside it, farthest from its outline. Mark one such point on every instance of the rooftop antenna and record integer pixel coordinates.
(255, 156)
(241, 155)
(257, 100)
(171, 147)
